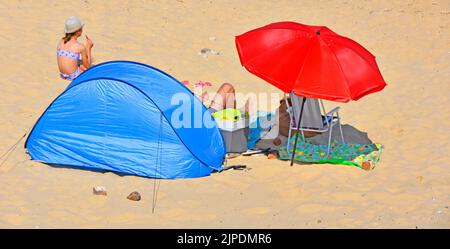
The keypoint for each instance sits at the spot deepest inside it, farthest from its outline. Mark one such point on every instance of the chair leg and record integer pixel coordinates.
(340, 129)
(291, 122)
(289, 138)
(329, 140)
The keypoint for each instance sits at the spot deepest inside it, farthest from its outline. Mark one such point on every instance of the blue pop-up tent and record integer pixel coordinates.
(120, 116)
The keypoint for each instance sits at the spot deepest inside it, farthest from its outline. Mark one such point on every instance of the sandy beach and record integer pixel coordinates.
(409, 188)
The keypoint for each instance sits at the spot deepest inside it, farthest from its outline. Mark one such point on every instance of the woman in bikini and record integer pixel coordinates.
(73, 57)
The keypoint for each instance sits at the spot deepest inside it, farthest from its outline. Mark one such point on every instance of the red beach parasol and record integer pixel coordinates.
(310, 61)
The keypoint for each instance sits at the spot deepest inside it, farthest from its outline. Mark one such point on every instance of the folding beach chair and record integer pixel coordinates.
(314, 118)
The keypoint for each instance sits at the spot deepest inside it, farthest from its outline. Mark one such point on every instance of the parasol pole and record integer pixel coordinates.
(298, 127)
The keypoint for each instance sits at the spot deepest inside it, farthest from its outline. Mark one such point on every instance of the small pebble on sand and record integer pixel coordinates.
(99, 190)
(205, 51)
(134, 196)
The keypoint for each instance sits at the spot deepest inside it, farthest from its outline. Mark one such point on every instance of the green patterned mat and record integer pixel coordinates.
(361, 155)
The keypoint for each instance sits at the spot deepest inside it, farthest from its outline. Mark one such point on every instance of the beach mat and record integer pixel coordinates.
(364, 156)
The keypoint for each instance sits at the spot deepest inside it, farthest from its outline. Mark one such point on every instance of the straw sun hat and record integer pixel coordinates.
(73, 24)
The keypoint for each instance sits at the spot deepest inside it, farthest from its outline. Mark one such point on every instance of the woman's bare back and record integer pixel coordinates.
(69, 65)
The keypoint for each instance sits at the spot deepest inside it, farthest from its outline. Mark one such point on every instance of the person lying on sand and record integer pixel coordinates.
(225, 98)
(73, 57)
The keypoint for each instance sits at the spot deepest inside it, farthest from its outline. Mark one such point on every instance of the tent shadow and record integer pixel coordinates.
(232, 167)
(121, 174)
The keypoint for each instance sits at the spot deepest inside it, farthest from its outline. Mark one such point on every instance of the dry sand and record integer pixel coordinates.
(409, 188)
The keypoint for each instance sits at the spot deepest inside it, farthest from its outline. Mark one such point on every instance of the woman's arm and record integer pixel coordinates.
(86, 57)
(86, 54)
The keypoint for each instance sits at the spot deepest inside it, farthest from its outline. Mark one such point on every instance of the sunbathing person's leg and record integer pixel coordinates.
(224, 98)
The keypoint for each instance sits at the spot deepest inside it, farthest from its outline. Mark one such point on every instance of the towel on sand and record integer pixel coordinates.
(364, 156)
